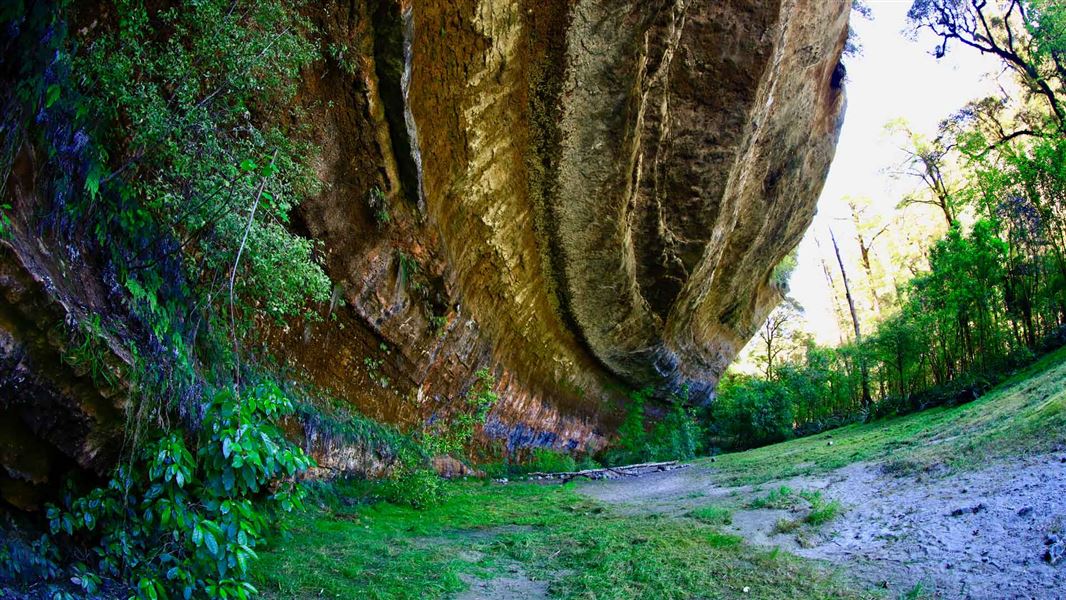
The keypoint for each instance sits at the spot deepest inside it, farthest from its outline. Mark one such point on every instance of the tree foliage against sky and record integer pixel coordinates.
(992, 292)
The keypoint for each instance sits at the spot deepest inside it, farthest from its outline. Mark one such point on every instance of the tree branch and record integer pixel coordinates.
(233, 278)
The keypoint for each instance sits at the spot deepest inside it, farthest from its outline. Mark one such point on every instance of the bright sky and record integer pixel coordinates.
(893, 77)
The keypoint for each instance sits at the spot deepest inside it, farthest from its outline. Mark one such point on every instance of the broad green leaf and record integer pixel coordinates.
(51, 95)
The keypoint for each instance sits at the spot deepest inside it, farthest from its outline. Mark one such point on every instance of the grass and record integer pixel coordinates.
(786, 526)
(822, 510)
(582, 549)
(714, 515)
(778, 498)
(346, 547)
(1026, 413)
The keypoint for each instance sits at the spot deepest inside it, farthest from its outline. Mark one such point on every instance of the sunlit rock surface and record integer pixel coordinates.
(596, 194)
(582, 196)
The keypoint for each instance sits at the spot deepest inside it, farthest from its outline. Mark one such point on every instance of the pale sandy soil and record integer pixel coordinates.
(978, 534)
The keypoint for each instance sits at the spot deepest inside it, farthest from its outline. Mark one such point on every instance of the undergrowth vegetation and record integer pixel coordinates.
(1026, 413)
(558, 540)
(184, 516)
(155, 168)
(677, 435)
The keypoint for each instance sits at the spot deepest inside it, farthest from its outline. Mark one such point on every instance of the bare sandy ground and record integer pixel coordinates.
(978, 534)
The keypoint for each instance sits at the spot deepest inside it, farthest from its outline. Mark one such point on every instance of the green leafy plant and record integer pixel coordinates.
(409, 272)
(184, 518)
(88, 352)
(373, 369)
(676, 436)
(453, 433)
(25, 557)
(379, 206)
(439, 324)
(5, 221)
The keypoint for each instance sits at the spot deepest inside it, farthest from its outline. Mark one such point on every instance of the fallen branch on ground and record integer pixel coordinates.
(612, 472)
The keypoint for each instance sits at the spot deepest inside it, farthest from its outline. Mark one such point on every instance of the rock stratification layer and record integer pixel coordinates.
(599, 190)
(582, 196)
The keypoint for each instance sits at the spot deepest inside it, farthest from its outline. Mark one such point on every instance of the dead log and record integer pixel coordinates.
(612, 472)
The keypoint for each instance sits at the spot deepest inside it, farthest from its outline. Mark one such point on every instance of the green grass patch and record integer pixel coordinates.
(1026, 413)
(713, 515)
(786, 526)
(822, 510)
(778, 498)
(345, 548)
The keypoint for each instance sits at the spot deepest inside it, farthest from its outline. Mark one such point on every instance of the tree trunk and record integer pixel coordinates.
(837, 312)
(867, 401)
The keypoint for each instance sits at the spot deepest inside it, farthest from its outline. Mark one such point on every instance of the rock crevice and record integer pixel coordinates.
(594, 198)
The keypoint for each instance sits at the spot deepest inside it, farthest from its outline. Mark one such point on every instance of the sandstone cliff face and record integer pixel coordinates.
(583, 196)
(597, 193)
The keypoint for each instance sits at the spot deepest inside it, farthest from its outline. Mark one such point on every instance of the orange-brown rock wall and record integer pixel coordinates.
(582, 196)
(595, 193)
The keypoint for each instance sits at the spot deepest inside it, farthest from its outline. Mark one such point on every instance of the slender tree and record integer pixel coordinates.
(777, 332)
(864, 374)
(866, 233)
(927, 161)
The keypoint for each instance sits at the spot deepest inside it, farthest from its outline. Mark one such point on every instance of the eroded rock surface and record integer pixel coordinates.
(602, 192)
(581, 196)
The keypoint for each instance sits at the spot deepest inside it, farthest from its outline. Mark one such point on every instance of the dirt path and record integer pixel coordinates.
(510, 581)
(515, 583)
(978, 534)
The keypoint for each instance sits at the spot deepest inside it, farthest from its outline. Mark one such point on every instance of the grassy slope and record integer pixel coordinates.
(584, 549)
(1027, 413)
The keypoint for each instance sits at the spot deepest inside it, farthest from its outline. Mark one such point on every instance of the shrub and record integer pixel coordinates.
(632, 442)
(212, 501)
(546, 460)
(678, 436)
(25, 557)
(415, 486)
(753, 412)
(675, 437)
(413, 482)
(586, 462)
